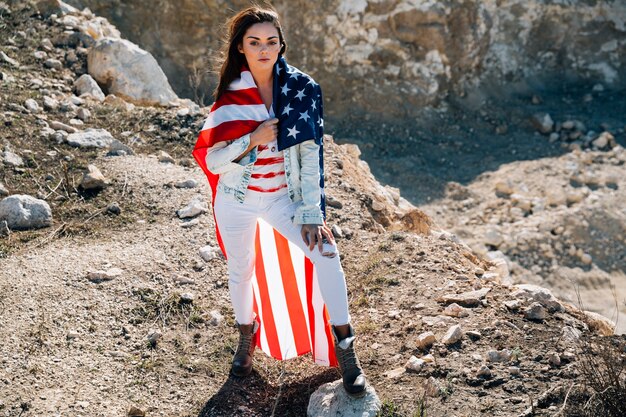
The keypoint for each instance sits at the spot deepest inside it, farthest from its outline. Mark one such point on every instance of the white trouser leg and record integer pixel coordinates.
(278, 213)
(237, 223)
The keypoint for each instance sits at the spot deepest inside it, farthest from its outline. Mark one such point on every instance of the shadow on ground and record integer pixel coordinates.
(255, 396)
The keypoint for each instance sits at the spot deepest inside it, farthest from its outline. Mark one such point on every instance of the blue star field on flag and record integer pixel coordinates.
(298, 106)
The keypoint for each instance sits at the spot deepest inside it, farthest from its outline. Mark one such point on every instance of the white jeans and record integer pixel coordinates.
(237, 224)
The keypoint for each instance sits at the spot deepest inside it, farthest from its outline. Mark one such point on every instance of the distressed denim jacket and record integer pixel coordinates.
(301, 172)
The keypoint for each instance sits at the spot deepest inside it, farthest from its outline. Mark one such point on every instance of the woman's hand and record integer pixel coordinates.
(265, 133)
(313, 234)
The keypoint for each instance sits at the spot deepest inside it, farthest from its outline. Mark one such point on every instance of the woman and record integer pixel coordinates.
(261, 167)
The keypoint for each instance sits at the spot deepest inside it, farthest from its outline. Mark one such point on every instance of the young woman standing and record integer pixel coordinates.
(263, 168)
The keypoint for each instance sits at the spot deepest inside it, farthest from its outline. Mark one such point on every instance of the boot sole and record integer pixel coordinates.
(359, 394)
(240, 375)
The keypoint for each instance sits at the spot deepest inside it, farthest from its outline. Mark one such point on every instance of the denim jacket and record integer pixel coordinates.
(301, 172)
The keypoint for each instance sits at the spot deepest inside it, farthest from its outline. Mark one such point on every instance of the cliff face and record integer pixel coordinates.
(385, 59)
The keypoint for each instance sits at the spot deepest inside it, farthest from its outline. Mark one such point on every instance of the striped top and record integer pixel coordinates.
(268, 172)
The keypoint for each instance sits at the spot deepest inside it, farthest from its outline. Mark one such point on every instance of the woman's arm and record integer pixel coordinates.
(310, 211)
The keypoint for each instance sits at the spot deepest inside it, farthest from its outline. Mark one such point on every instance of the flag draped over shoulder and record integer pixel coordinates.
(287, 300)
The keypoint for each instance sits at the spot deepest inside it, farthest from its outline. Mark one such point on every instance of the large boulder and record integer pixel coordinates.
(23, 212)
(129, 72)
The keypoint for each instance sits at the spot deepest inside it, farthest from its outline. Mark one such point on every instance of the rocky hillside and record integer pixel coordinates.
(115, 301)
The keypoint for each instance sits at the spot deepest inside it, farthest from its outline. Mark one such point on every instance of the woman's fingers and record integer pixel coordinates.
(305, 236)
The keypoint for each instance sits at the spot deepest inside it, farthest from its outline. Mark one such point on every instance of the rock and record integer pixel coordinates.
(195, 207)
(473, 335)
(117, 148)
(453, 335)
(395, 373)
(53, 64)
(85, 84)
(23, 212)
(499, 355)
(209, 252)
(3, 190)
(114, 208)
(153, 336)
(605, 140)
(333, 202)
(484, 372)
(535, 312)
(432, 387)
(134, 411)
(72, 334)
(554, 359)
(512, 305)
(466, 299)
(99, 276)
(166, 158)
(571, 334)
(539, 294)
(190, 183)
(189, 224)
(50, 103)
(5, 58)
(455, 310)
(542, 122)
(337, 232)
(428, 358)
(187, 298)
(49, 7)
(93, 179)
(596, 322)
(83, 114)
(90, 138)
(32, 106)
(425, 340)
(56, 125)
(129, 72)
(216, 318)
(331, 400)
(493, 237)
(12, 159)
(414, 364)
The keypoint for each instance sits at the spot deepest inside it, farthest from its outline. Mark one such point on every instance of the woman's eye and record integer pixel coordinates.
(253, 43)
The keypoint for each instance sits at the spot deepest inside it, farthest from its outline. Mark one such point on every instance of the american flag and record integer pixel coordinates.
(290, 310)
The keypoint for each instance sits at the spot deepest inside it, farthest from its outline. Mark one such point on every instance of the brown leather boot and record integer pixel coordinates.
(353, 378)
(242, 361)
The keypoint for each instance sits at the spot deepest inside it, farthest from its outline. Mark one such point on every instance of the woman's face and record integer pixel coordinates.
(261, 46)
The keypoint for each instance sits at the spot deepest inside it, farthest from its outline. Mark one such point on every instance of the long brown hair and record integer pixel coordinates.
(230, 60)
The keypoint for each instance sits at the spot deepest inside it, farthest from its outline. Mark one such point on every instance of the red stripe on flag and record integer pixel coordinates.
(245, 97)
(267, 316)
(265, 190)
(269, 161)
(268, 175)
(259, 331)
(292, 295)
(308, 277)
(332, 358)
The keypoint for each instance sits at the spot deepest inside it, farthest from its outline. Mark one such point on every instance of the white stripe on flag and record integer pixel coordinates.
(297, 259)
(235, 112)
(246, 81)
(321, 341)
(276, 291)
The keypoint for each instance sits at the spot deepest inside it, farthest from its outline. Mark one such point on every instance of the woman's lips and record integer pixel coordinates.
(264, 59)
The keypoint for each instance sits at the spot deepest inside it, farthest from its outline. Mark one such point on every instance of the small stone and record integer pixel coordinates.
(5, 58)
(337, 232)
(499, 355)
(40, 55)
(32, 106)
(114, 208)
(3, 190)
(76, 122)
(93, 179)
(554, 360)
(535, 312)
(425, 340)
(473, 335)
(414, 364)
(514, 371)
(153, 336)
(455, 310)
(512, 305)
(208, 253)
(493, 237)
(453, 335)
(466, 299)
(187, 298)
(395, 373)
(542, 122)
(432, 387)
(189, 224)
(86, 85)
(333, 202)
(134, 411)
(190, 183)
(428, 358)
(166, 158)
(72, 334)
(194, 208)
(53, 63)
(216, 318)
(586, 259)
(56, 125)
(12, 159)
(571, 334)
(50, 103)
(101, 276)
(484, 372)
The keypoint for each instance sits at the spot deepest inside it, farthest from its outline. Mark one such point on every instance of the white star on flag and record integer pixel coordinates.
(313, 104)
(311, 81)
(295, 74)
(321, 122)
(300, 94)
(293, 132)
(285, 89)
(304, 116)
(287, 110)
